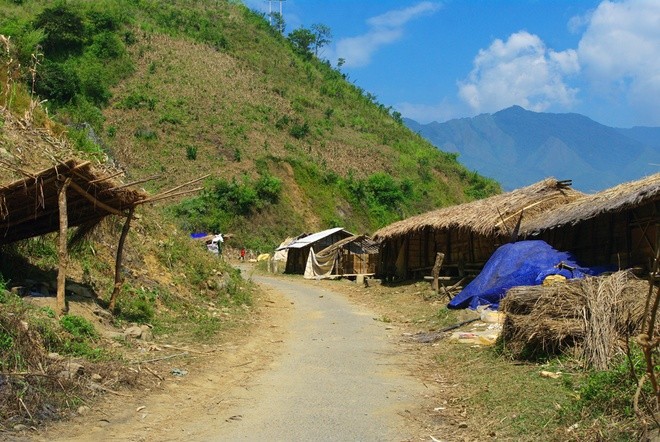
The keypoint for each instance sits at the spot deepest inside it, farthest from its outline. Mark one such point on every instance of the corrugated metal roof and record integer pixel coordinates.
(307, 240)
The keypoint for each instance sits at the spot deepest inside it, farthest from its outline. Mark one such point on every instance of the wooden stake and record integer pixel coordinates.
(439, 257)
(120, 251)
(62, 253)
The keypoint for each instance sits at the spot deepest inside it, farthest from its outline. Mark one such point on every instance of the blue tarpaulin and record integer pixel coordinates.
(516, 264)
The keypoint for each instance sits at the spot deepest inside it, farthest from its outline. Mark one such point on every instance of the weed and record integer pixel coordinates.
(191, 152)
(146, 134)
(49, 312)
(137, 305)
(299, 130)
(78, 326)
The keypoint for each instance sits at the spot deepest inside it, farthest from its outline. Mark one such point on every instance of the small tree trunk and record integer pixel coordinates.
(62, 252)
(120, 252)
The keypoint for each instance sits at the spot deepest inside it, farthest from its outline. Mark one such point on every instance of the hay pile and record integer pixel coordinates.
(590, 317)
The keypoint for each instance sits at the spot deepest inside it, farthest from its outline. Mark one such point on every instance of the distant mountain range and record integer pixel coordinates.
(518, 147)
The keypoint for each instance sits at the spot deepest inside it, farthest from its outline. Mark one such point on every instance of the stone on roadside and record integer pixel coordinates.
(133, 332)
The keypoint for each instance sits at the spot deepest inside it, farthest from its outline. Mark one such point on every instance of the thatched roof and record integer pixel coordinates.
(616, 199)
(496, 215)
(29, 206)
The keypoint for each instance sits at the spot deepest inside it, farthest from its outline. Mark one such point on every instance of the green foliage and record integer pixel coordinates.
(302, 40)
(78, 326)
(480, 187)
(609, 393)
(137, 305)
(84, 143)
(222, 201)
(191, 152)
(107, 45)
(63, 28)
(137, 100)
(6, 341)
(57, 81)
(299, 130)
(269, 188)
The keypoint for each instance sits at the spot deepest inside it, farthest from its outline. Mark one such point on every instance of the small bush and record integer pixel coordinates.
(57, 82)
(299, 131)
(137, 305)
(78, 326)
(191, 153)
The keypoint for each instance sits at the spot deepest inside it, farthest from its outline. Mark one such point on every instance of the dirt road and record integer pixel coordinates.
(315, 368)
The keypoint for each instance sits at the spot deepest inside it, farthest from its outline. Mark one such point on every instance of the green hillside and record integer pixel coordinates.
(183, 89)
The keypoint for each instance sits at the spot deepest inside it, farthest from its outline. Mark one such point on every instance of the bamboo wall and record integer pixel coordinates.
(626, 239)
(413, 255)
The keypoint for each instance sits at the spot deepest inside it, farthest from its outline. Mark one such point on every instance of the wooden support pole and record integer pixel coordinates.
(120, 252)
(62, 253)
(439, 257)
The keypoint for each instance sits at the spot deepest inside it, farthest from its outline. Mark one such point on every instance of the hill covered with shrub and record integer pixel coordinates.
(182, 90)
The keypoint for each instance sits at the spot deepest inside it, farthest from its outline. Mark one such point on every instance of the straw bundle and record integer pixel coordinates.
(591, 316)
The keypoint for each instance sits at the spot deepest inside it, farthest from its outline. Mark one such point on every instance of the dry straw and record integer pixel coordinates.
(591, 317)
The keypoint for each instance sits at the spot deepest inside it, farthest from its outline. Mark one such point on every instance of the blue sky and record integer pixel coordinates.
(438, 60)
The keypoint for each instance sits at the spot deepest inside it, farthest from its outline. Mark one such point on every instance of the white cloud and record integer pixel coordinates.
(522, 71)
(383, 29)
(620, 54)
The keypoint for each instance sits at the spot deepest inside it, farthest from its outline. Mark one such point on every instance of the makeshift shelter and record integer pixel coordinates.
(618, 226)
(277, 262)
(66, 192)
(298, 250)
(352, 256)
(467, 234)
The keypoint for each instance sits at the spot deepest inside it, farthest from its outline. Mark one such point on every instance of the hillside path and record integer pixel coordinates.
(316, 367)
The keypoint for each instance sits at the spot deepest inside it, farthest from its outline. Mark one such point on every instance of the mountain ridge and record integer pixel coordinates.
(536, 145)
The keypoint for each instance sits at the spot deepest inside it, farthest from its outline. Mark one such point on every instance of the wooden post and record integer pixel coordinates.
(62, 252)
(439, 257)
(120, 251)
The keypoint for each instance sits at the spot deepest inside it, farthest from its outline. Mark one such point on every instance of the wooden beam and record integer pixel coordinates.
(96, 202)
(160, 197)
(106, 178)
(62, 252)
(184, 185)
(133, 183)
(118, 260)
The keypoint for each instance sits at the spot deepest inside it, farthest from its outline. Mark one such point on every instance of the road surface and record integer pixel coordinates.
(315, 368)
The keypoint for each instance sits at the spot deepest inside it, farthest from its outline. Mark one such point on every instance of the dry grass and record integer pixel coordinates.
(490, 216)
(594, 314)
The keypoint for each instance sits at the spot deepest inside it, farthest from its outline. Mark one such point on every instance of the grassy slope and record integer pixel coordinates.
(236, 107)
(208, 87)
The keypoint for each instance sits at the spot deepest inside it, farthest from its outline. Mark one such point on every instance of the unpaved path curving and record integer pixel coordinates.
(315, 368)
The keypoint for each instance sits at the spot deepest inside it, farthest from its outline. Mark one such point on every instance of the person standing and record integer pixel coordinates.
(242, 254)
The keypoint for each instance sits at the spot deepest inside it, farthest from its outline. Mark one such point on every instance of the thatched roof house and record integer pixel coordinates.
(468, 233)
(617, 226)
